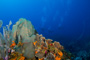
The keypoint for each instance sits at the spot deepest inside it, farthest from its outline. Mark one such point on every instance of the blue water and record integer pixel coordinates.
(60, 20)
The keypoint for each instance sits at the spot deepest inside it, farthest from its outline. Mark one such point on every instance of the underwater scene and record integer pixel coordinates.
(44, 29)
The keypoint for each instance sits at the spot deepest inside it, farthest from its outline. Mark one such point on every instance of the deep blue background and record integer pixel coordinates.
(60, 20)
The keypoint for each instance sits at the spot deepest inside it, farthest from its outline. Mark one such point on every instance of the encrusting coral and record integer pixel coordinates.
(24, 43)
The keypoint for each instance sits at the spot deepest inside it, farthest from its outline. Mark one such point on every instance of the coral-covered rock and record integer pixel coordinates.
(23, 42)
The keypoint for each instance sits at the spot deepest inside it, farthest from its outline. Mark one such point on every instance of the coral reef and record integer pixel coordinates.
(24, 43)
